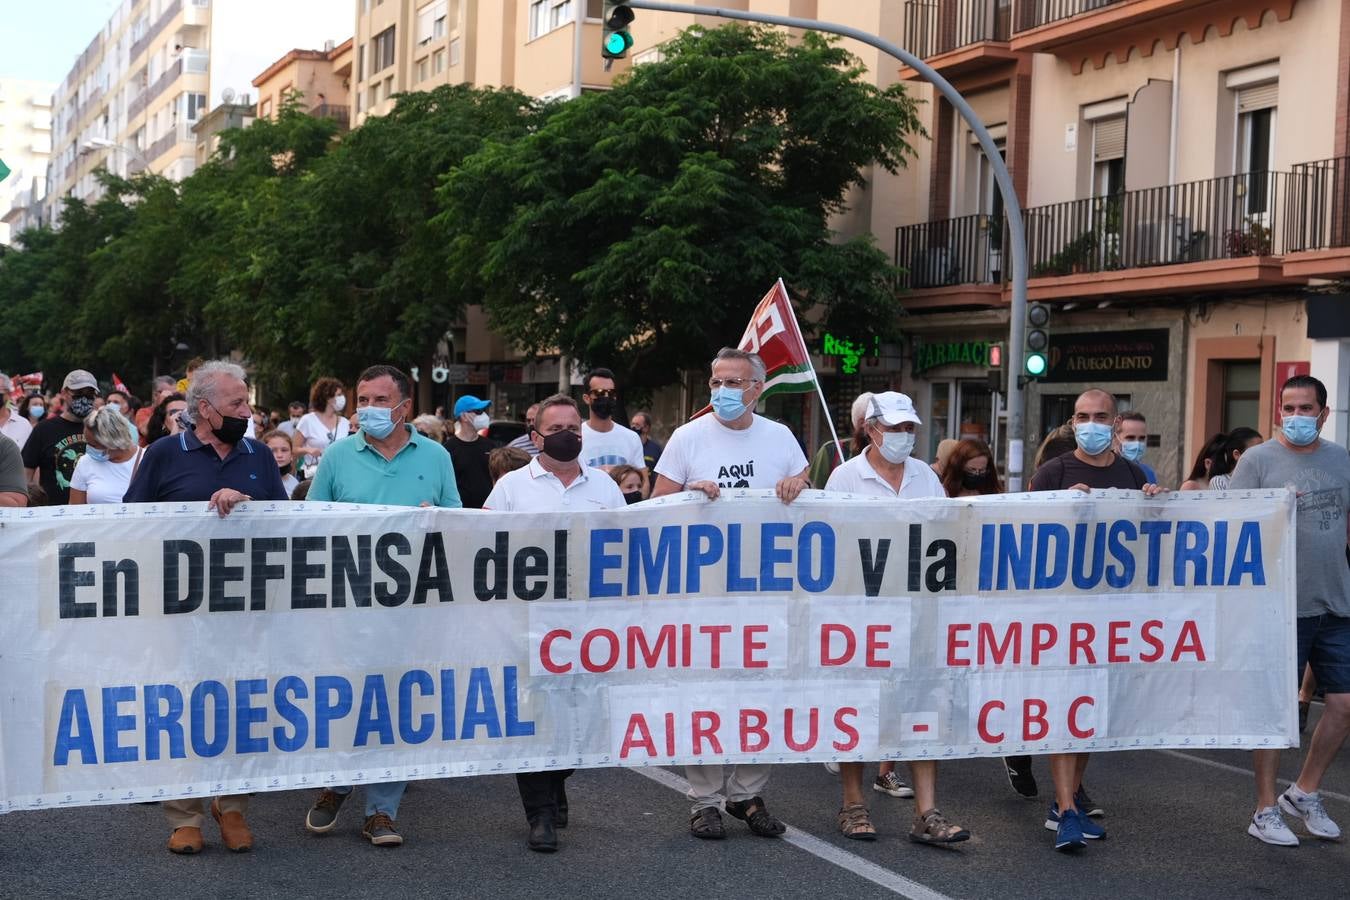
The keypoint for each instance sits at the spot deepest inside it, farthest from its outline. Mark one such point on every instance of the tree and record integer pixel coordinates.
(637, 227)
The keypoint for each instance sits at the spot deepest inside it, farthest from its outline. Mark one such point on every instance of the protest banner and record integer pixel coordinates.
(158, 651)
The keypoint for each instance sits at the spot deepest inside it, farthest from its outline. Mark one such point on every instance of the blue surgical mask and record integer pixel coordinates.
(95, 453)
(35, 410)
(896, 446)
(1132, 450)
(1300, 430)
(728, 403)
(376, 421)
(1093, 437)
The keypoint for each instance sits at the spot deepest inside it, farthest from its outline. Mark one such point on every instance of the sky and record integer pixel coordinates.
(40, 39)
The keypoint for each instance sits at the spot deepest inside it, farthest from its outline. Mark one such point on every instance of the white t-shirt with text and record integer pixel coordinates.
(756, 457)
(615, 447)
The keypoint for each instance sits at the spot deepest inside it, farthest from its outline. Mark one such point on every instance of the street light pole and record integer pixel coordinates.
(103, 144)
(1012, 207)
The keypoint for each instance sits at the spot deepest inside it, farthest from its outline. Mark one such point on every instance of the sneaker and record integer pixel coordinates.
(1268, 825)
(1069, 832)
(1019, 775)
(1090, 829)
(891, 784)
(1312, 812)
(379, 830)
(832, 768)
(1085, 804)
(323, 815)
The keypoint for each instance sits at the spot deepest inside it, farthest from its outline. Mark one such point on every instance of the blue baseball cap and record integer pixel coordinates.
(470, 403)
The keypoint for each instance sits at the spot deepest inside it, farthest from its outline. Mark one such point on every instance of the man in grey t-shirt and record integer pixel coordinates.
(1319, 472)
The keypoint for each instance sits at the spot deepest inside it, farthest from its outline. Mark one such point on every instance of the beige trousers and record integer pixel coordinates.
(191, 813)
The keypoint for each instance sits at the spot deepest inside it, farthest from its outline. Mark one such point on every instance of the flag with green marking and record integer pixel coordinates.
(4, 170)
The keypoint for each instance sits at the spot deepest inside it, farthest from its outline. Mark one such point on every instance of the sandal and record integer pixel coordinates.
(753, 813)
(707, 824)
(855, 823)
(932, 827)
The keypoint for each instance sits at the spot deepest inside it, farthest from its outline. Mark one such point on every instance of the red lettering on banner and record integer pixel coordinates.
(637, 645)
(749, 645)
(1189, 642)
(1148, 633)
(545, 659)
(954, 644)
(587, 661)
(1073, 718)
(715, 632)
(756, 728)
(1115, 641)
(827, 631)
(1043, 637)
(670, 734)
(982, 724)
(687, 633)
(638, 736)
(1037, 718)
(813, 732)
(845, 728)
(996, 652)
(1080, 640)
(705, 723)
(875, 644)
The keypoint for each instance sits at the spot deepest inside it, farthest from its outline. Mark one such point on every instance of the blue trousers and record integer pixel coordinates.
(380, 798)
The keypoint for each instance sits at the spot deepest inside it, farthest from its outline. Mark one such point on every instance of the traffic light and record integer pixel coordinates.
(616, 39)
(1037, 359)
(998, 373)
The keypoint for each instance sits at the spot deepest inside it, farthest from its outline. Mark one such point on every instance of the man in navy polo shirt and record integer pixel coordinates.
(212, 462)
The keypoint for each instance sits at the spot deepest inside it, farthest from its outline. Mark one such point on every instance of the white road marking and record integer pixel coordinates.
(1238, 770)
(863, 868)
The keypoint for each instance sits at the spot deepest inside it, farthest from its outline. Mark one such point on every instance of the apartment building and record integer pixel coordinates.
(321, 79)
(152, 71)
(1183, 170)
(25, 144)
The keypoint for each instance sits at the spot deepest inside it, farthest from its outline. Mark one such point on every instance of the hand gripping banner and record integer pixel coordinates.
(156, 651)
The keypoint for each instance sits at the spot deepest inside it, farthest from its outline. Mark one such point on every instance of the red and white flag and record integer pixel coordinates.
(118, 385)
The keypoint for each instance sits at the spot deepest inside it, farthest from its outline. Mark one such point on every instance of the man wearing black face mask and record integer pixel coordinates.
(605, 442)
(554, 480)
(56, 444)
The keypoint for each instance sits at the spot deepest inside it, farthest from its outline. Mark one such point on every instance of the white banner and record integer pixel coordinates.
(157, 651)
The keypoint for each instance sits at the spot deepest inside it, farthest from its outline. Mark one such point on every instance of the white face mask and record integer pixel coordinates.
(340, 402)
(481, 421)
(896, 446)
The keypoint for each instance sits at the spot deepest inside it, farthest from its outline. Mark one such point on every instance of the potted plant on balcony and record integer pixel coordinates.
(1251, 239)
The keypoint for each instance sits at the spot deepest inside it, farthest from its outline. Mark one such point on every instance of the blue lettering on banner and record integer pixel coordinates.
(148, 721)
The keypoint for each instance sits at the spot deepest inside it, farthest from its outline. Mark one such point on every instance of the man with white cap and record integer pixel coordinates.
(57, 444)
(887, 469)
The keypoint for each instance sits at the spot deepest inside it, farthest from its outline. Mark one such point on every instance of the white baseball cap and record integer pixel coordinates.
(892, 408)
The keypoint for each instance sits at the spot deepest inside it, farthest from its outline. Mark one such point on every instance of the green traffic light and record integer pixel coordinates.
(618, 42)
(1036, 364)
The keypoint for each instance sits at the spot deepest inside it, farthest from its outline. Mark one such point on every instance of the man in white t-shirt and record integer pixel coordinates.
(605, 442)
(555, 480)
(732, 448)
(886, 469)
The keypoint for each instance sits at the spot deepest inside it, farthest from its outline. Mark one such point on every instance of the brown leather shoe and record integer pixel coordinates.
(186, 840)
(233, 829)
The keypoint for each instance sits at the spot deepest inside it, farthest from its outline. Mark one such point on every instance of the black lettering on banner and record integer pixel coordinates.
(491, 562)
(303, 571)
(220, 575)
(131, 577)
(68, 578)
(349, 570)
(941, 575)
(173, 551)
(560, 564)
(385, 548)
(915, 556)
(530, 563)
(873, 564)
(261, 571)
(433, 574)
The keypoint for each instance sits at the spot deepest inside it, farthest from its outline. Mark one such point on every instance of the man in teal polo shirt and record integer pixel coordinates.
(386, 461)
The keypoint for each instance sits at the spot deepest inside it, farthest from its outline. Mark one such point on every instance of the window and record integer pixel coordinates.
(1241, 394)
(1256, 143)
(265, 108)
(431, 21)
(196, 105)
(595, 9)
(361, 63)
(382, 50)
(438, 62)
(1108, 156)
(546, 15)
(454, 52)
(423, 69)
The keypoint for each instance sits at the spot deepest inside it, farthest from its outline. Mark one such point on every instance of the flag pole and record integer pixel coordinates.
(820, 392)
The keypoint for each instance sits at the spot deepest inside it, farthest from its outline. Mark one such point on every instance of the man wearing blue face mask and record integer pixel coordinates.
(1132, 440)
(1319, 471)
(387, 461)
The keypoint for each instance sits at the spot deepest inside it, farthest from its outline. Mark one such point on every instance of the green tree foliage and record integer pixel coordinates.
(637, 227)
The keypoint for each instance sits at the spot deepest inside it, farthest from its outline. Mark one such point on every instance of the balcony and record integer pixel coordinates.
(958, 37)
(342, 115)
(1318, 231)
(952, 262)
(1220, 233)
(139, 46)
(180, 133)
(1083, 30)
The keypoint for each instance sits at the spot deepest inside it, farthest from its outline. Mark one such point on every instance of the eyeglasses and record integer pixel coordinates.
(607, 393)
(734, 383)
(980, 474)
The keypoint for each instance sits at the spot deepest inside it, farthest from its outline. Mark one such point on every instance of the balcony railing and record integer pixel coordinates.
(178, 134)
(1319, 201)
(965, 250)
(934, 27)
(154, 30)
(1221, 218)
(1035, 13)
(342, 115)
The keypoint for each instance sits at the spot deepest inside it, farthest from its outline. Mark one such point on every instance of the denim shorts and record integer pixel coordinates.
(1324, 644)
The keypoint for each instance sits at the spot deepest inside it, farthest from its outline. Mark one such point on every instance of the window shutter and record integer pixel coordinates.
(1108, 139)
(1259, 96)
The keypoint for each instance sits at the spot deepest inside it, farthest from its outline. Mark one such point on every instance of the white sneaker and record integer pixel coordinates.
(1268, 825)
(1312, 812)
(832, 768)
